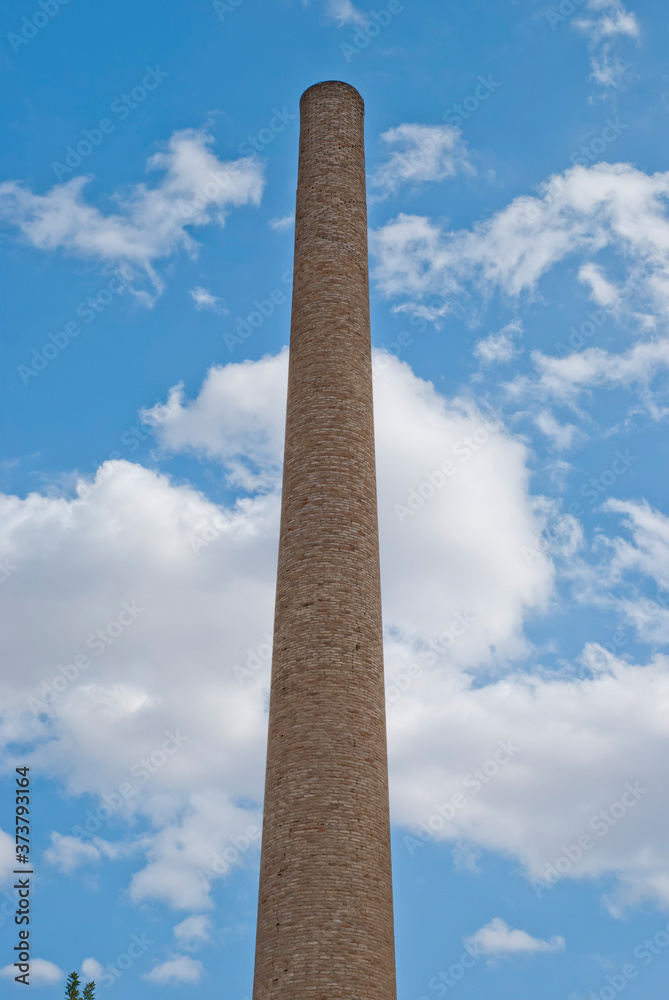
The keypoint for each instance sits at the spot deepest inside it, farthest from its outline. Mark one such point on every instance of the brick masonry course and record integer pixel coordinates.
(325, 916)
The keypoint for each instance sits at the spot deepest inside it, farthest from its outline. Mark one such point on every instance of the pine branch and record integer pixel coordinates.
(72, 987)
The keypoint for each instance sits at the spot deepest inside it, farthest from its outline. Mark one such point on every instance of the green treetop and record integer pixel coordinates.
(72, 987)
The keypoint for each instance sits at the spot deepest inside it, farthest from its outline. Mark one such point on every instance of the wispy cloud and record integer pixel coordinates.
(499, 347)
(580, 212)
(196, 188)
(564, 379)
(345, 12)
(560, 435)
(604, 23)
(204, 299)
(280, 225)
(424, 153)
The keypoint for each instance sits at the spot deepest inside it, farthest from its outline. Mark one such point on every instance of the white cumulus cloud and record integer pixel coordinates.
(91, 969)
(180, 969)
(42, 972)
(497, 938)
(238, 418)
(193, 931)
(464, 568)
(67, 853)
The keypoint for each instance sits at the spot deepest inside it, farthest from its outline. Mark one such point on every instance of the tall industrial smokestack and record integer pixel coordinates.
(325, 914)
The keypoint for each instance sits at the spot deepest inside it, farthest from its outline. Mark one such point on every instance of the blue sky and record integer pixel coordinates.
(519, 261)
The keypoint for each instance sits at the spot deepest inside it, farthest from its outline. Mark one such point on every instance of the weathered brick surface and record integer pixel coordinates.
(325, 919)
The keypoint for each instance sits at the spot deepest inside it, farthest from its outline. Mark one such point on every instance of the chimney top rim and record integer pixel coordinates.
(333, 85)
